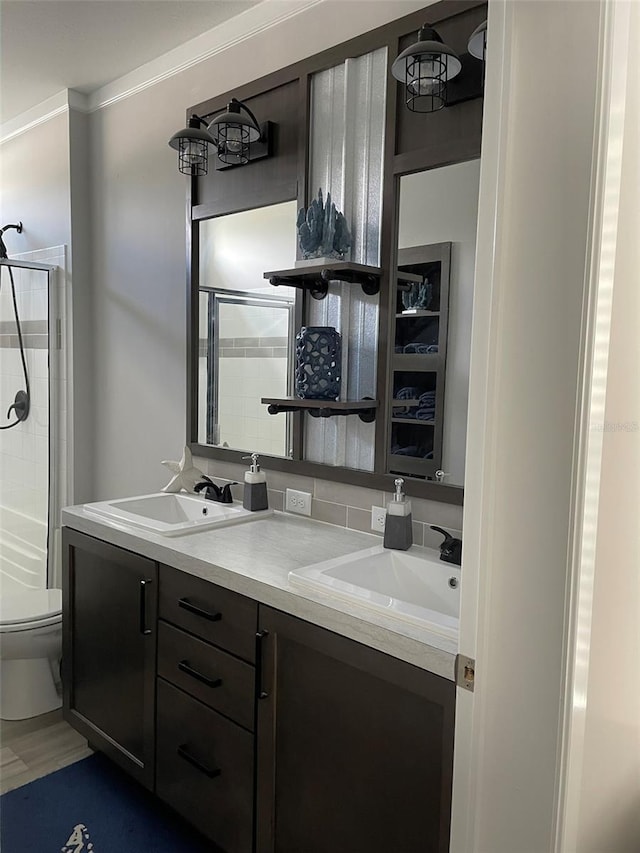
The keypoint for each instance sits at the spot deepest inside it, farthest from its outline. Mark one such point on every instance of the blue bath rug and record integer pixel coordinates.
(91, 807)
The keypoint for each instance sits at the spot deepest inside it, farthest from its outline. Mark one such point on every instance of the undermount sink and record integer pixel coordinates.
(407, 585)
(172, 514)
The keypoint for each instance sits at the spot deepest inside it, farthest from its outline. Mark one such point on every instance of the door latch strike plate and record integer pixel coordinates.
(465, 672)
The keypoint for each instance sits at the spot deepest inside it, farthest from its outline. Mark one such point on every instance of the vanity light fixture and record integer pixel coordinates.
(477, 45)
(425, 67)
(235, 135)
(192, 144)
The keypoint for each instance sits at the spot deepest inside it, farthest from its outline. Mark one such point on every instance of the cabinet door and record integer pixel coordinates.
(355, 749)
(109, 650)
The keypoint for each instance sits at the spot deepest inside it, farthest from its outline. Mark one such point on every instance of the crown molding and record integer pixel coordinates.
(62, 102)
(230, 33)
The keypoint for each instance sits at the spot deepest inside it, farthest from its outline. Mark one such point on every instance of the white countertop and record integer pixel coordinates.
(255, 558)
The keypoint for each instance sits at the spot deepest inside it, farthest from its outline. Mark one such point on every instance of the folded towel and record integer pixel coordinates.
(419, 348)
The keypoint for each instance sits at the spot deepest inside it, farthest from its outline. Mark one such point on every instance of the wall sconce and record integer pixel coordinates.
(192, 144)
(236, 135)
(238, 139)
(424, 68)
(477, 45)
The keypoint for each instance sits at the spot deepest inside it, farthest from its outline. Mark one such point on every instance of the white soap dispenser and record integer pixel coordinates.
(398, 529)
(255, 486)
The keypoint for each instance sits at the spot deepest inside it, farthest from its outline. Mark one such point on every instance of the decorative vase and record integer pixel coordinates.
(318, 363)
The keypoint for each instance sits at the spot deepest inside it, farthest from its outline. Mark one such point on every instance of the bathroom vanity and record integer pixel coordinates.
(269, 719)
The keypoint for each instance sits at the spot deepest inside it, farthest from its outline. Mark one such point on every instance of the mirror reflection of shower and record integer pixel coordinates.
(22, 401)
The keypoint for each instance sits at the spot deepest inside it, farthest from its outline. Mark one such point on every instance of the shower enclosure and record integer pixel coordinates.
(30, 427)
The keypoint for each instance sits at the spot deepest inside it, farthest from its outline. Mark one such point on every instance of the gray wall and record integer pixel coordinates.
(138, 215)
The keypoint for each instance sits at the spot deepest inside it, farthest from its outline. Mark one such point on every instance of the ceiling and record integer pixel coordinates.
(50, 45)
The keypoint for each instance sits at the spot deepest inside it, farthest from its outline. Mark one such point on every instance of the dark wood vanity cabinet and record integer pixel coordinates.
(109, 650)
(266, 733)
(206, 707)
(355, 748)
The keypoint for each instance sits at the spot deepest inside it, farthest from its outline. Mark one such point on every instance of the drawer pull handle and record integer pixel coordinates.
(184, 753)
(198, 611)
(183, 666)
(143, 607)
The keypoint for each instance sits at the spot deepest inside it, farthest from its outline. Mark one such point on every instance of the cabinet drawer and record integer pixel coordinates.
(204, 769)
(223, 682)
(215, 614)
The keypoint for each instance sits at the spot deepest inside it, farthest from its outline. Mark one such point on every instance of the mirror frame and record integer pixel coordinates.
(455, 136)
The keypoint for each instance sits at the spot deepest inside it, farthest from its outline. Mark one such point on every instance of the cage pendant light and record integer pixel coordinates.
(234, 132)
(192, 144)
(424, 68)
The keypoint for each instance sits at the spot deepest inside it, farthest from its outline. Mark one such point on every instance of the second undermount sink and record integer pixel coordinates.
(172, 514)
(408, 585)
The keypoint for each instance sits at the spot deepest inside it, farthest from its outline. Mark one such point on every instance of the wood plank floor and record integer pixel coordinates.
(33, 748)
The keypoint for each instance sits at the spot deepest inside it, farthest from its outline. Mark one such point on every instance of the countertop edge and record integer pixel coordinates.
(332, 616)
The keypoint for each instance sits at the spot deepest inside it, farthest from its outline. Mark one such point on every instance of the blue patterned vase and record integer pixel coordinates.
(318, 363)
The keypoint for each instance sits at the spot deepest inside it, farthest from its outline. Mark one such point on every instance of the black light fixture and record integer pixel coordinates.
(477, 45)
(425, 67)
(235, 134)
(192, 144)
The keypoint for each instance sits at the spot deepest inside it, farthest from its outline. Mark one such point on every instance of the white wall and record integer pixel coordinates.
(609, 818)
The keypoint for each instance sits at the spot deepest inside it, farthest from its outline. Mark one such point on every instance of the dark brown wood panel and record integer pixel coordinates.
(214, 614)
(109, 649)
(205, 769)
(264, 182)
(453, 134)
(216, 678)
(355, 749)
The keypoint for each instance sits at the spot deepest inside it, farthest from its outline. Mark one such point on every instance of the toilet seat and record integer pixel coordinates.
(25, 611)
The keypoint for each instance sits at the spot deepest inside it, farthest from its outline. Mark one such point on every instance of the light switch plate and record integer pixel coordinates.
(299, 502)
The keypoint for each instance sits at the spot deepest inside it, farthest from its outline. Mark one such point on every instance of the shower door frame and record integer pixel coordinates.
(52, 479)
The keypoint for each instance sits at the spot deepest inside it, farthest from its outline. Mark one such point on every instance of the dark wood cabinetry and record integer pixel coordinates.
(109, 650)
(206, 707)
(270, 735)
(355, 749)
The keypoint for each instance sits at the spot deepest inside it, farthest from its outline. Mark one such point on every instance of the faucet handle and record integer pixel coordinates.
(399, 495)
(440, 475)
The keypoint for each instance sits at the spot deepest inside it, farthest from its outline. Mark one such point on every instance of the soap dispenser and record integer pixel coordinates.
(255, 486)
(398, 530)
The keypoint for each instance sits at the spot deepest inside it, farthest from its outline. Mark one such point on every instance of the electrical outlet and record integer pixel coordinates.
(378, 518)
(299, 502)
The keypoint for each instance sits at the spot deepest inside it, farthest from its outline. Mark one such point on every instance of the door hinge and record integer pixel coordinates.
(465, 672)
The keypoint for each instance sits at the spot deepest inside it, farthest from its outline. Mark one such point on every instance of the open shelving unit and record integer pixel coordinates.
(418, 363)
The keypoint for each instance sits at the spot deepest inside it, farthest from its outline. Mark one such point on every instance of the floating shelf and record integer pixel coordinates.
(364, 409)
(416, 312)
(406, 280)
(316, 278)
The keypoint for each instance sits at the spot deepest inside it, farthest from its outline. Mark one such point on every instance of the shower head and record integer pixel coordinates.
(17, 227)
(3, 248)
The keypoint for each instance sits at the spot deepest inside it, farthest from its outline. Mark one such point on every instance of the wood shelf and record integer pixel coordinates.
(417, 421)
(316, 278)
(364, 409)
(417, 312)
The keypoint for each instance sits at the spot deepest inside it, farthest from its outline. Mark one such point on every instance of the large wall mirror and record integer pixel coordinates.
(408, 184)
(436, 247)
(246, 329)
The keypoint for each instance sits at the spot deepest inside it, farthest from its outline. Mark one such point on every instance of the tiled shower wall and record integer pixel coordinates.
(344, 505)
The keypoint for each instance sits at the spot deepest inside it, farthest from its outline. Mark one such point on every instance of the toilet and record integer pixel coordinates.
(30, 652)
